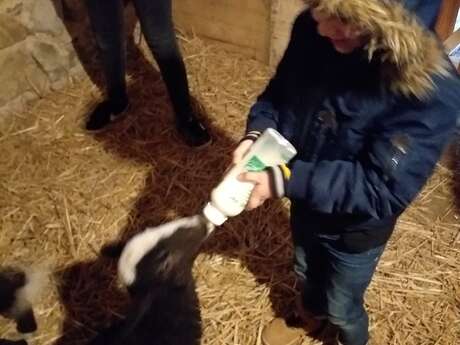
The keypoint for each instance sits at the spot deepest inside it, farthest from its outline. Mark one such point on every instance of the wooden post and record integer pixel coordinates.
(282, 16)
(447, 17)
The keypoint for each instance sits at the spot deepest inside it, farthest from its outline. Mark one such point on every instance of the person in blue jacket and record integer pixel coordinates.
(367, 96)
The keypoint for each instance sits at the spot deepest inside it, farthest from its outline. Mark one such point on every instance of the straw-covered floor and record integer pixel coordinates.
(65, 193)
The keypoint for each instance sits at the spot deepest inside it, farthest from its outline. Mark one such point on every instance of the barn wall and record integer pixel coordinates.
(242, 25)
(257, 28)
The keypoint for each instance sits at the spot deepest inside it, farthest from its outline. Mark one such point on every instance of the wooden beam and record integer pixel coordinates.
(447, 17)
(452, 45)
(283, 14)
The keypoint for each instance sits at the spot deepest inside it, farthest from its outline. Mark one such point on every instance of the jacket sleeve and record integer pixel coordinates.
(399, 158)
(264, 114)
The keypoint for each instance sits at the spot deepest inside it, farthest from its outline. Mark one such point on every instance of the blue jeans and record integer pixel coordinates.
(335, 282)
(155, 17)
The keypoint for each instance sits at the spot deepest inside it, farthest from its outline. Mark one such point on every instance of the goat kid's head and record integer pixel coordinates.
(162, 255)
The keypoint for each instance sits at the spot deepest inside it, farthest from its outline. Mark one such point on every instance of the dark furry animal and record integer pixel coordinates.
(156, 267)
(17, 291)
(12, 342)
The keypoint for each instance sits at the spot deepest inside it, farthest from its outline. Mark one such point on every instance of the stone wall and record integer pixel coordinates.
(37, 53)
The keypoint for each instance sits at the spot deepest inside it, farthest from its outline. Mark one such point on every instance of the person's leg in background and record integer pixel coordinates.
(158, 28)
(108, 26)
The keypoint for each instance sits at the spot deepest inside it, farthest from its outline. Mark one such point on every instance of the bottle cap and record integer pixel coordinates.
(214, 215)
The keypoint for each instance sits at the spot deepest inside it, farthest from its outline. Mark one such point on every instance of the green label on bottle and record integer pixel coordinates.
(255, 164)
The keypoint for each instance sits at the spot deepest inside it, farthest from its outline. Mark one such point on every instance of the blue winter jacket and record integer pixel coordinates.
(369, 126)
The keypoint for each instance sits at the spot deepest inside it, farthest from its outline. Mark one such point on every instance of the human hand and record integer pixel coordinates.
(241, 150)
(262, 188)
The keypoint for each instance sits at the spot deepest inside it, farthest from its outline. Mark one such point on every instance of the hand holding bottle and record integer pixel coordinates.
(232, 194)
(262, 188)
(241, 150)
(261, 191)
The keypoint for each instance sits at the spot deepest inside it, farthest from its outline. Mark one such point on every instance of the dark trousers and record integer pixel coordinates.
(157, 26)
(334, 281)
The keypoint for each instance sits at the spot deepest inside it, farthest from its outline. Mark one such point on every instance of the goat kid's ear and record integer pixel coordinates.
(180, 274)
(162, 266)
(169, 265)
(113, 250)
(25, 322)
(12, 342)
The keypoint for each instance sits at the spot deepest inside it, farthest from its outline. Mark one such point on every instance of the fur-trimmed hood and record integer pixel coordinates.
(409, 53)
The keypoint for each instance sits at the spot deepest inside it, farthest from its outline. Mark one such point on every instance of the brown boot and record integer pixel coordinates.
(277, 332)
(292, 332)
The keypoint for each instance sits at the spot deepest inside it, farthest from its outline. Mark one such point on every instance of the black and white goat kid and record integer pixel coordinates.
(19, 289)
(156, 267)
